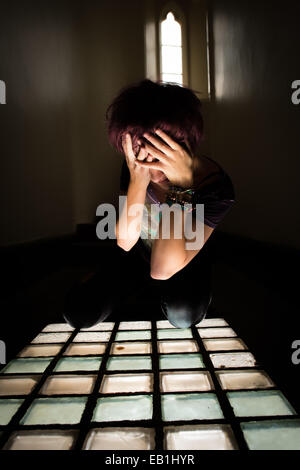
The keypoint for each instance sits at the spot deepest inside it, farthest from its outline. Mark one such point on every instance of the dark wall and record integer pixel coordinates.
(255, 126)
(62, 62)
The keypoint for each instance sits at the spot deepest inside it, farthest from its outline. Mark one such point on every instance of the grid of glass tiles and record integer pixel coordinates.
(142, 386)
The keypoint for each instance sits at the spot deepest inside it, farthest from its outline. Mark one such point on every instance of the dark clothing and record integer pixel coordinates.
(216, 194)
(184, 298)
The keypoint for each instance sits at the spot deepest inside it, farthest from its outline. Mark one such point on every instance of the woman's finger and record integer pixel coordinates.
(167, 139)
(151, 165)
(156, 153)
(128, 148)
(142, 154)
(166, 149)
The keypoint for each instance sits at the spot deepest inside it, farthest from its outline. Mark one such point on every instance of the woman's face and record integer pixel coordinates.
(156, 176)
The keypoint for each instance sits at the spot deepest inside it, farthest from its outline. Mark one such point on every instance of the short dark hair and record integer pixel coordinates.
(147, 105)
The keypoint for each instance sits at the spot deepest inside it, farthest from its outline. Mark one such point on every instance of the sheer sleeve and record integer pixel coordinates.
(217, 197)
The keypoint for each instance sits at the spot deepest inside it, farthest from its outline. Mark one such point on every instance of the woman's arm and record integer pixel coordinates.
(128, 227)
(171, 255)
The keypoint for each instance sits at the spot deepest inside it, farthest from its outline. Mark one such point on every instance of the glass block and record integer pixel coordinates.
(181, 361)
(126, 383)
(41, 350)
(120, 439)
(177, 346)
(216, 332)
(102, 326)
(130, 335)
(244, 359)
(78, 363)
(131, 348)
(185, 381)
(51, 338)
(85, 349)
(135, 325)
(207, 322)
(25, 365)
(129, 363)
(164, 324)
(55, 327)
(92, 337)
(183, 407)
(55, 411)
(238, 379)
(123, 408)
(68, 384)
(41, 440)
(272, 435)
(199, 437)
(8, 408)
(260, 403)
(19, 385)
(175, 333)
(224, 344)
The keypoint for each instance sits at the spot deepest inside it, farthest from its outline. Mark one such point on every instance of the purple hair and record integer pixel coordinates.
(148, 105)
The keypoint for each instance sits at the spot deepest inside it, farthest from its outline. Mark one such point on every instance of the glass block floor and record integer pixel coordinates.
(142, 386)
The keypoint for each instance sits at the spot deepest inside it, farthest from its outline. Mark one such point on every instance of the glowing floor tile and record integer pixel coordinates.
(272, 435)
(55, 411)
(55, 327)
(164, 324)
(224, 344)
(260, 403)
(207, 322)
(181, 361)
(243, 359)
(175, 333)
(129, 363)
(131, 348)
(41, 440)
(41, 350)
(126, 383)
(216, 332)
(51, 338)
(185, 381)
(25, 365)
(199, 437)
(238, 379)
(135, 325)
(68, 384)
(130, 335)
(20, 385)
(92, 337)
(120, 439)
(85, 349)
(183, 407)
(8, 408)
(102, 326)
(177, 346)
(77, 363)
(123, 408)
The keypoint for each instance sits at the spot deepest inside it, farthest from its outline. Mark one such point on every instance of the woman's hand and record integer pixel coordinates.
(173, 160)
(137, 173)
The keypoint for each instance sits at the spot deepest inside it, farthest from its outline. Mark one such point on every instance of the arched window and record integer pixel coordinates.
(171, 68)
(2, 92)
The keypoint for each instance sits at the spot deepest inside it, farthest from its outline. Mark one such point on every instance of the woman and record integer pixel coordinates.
(158, 128)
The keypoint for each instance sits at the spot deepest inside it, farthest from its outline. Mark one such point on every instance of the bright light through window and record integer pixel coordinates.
(171, 50)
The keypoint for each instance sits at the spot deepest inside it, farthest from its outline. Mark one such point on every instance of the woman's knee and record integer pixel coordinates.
(84, 306)
(183, 313)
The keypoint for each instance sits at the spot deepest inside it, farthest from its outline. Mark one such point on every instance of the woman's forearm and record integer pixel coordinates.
(128, 227)
(169, 254)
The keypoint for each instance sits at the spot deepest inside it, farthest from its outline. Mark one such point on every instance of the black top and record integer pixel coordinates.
(217, 195)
